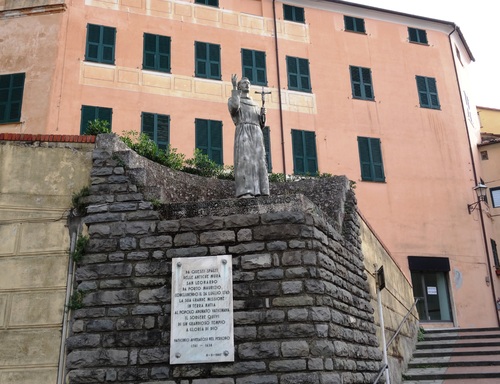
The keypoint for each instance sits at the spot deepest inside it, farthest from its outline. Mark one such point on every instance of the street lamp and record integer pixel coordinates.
(480, 190)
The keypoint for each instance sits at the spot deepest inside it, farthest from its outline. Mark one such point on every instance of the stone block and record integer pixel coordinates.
(292, 287)
(288, 365)
(295, 348)
(244, 234)
(256, 379)
(258, 350)
(157, 295)
(217, 237)
(185, 239)
(151, 242)
(154, 355)
(84, 341)
(97, 357)
(187, 252)
(110, 297)
(239, 368)
(256, 261)
(300, 378)
(270, 274)
(246, 248)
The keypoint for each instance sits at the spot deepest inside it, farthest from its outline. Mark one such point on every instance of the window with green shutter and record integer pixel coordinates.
(292, 13)
(370, 158)
(305, 161)
(11, 97)
(354, 24)
(207, 60)
(156, 54)
(298, 74)
(254, 66)
(417, 35)
(361, 83)
(427, 92)
(266, 133)
(209, 138)
(495, 253)
(100, 46)
(90, 113)
(157, 127)
(213, 3)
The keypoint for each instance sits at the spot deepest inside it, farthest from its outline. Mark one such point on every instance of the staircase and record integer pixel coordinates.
(457, 356)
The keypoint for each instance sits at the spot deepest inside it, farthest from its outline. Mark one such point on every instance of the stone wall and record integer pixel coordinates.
(302, 310)
(37, 180)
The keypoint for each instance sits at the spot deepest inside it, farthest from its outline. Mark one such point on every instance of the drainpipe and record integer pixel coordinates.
(471, 153)
(279, 89)
(74, 223)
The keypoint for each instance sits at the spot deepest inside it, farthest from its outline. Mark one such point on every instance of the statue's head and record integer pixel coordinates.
(243, 80)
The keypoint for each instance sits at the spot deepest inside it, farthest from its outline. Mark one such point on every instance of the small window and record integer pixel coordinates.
(361, 83)
(90, 113)
(100, 46)
(495, 253)
(484, 155)
(213, 3)
(495, 197)
(292, 13)
(254, 66)
(298, 74)
(427, 92)
(354, 24)
(370, 158)
(11, 97)
(417, 35)
(157, 127)
(156, 54)
(207, 59)
(209, 138)
(305, 161)
(266, 132)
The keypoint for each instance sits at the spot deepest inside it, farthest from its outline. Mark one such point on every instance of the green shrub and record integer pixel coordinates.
(144, 146)
(77, 202)
(97, 126)
(80, 246)
(277, 177)
(202, 165)
(75, 301)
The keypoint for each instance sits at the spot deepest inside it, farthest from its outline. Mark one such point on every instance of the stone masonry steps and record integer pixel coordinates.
(456, 356)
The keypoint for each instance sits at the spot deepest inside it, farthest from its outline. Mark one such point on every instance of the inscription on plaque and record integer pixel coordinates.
(201, 328)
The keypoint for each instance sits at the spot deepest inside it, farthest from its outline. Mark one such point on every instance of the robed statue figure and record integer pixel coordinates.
(250, 171)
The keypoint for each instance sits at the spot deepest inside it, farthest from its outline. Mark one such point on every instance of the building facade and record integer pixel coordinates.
(380, 96)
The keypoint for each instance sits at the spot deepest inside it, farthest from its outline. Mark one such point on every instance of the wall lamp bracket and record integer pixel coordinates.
(480, 190)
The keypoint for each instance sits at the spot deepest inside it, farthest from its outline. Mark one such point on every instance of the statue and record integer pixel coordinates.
(250, 171)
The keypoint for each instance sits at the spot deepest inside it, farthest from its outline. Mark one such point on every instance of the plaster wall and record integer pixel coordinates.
(36, 185)
(420, 208)
(490, 120)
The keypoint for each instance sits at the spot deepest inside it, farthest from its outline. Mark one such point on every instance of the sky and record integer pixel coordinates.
(478, 21)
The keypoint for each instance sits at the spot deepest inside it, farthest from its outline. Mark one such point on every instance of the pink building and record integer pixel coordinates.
(380, 96)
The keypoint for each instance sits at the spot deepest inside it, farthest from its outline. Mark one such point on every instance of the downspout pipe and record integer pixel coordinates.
(74, 227)
(282, 129)
(471, 154)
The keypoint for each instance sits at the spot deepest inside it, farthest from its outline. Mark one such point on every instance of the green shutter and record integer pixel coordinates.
(163, 131)
(304, 152)
(298, 74)
(214, 61)
(247, 63)
(201, 59)
(310, 151)
(216, 141)
(88, 114)
(305, 84)
(370, 158)
(201, 135)
(11, 97)
(287, 12)
(298, 152)
(364, 158)
(495, 253)
(266, 133)
(148, 125)
(293, 72)
(427, 92)
(100, 46)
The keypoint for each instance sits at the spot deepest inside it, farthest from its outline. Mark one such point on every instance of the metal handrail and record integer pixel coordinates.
(402, 322)
(380, 373)
(386, 366)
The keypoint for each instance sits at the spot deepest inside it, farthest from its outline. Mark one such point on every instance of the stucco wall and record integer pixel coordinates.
(37, 181)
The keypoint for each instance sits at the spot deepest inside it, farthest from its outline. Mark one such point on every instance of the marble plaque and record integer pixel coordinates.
(201, 329)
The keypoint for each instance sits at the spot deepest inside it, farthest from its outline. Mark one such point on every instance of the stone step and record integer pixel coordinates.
(443, 373)
(458, 344)
(456, 356)
(462, 330)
